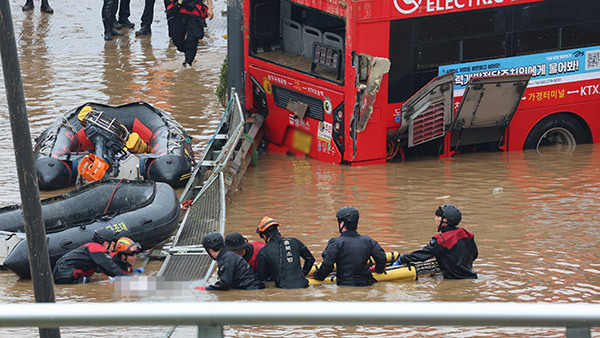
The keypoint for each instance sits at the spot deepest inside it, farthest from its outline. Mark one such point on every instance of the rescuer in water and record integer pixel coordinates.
(279, 259)
(234, 272)
(350, 253)
(78, 265)
(125, 255)
(238, 244)
(454, 247)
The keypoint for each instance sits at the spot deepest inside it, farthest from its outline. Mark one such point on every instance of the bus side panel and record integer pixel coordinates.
(308, 136)
(373, 39)
(542, 101)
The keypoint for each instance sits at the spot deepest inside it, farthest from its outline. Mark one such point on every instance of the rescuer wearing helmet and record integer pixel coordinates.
(236, 243)
(81, 263)
(279, 259)
(350, 253)
(125, 255)
(234, 272)
(454, 247)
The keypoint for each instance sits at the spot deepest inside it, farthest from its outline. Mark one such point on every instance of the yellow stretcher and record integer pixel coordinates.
(391, 257)
(412, 271)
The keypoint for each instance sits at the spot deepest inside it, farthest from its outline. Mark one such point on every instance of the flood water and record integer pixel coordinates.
(534, 216)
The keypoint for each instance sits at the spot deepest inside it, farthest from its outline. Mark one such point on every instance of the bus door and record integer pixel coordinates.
(484, 112)
(486, 109)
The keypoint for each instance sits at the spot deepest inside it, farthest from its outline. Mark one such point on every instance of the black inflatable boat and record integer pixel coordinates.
(147, 212)
(160, 145)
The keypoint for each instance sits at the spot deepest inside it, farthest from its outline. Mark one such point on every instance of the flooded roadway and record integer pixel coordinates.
(534, 217)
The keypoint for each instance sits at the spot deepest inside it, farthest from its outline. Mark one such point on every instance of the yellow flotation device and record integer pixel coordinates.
(136, 144)
(412, 271)
(390, 257)
(391, 273)
(83, 112)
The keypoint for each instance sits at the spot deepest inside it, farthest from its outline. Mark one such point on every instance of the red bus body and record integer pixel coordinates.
(311, 107)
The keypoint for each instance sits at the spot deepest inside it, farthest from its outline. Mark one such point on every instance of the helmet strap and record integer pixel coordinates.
(441, 225)
(341, 226)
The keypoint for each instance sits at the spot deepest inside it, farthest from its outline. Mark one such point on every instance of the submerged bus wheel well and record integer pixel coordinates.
(561, 130)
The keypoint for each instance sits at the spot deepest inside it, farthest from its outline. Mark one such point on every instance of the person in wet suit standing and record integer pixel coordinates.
(109, 11)
(78, 265)
(350, 253)
(186, 20)
(279, 259)
(45, 7)
(454, 247)
(237, 243)
(234, 272)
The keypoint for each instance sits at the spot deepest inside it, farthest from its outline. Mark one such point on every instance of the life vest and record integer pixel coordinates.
(256, 246)
(195, 9)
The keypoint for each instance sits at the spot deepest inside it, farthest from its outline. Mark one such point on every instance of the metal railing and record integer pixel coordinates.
(210, 317)
(186, 258)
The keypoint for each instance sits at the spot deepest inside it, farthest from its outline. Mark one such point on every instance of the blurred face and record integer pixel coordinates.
(438, 221)
(129, 258)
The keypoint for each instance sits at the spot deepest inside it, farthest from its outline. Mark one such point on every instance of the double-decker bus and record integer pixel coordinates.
(365, 81)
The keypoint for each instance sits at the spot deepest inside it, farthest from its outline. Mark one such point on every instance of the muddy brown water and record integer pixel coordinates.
(534, 216)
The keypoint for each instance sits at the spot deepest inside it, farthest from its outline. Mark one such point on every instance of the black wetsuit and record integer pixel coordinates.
(350, 253)
(279, 261)
(186, 26)
(454, 249)
(74, 266)
(234, 273)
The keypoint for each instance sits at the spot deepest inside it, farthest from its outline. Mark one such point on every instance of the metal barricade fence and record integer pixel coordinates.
(210, 317)
(187, 259)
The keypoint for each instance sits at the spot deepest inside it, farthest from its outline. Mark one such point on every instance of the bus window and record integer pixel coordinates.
(285, 33)
(581, 35)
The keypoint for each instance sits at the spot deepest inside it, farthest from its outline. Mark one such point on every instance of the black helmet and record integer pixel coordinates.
(104, 235)
(451, 213)
(347, 214)
(235, 241)
(213, 240)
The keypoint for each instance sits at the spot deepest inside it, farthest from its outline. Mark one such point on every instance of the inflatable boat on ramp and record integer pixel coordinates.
(147, 212)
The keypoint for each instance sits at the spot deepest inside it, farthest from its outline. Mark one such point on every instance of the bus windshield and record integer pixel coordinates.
(298, 37)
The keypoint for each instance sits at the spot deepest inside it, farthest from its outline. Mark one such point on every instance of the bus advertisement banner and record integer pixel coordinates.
(572, 72)
(412, 8)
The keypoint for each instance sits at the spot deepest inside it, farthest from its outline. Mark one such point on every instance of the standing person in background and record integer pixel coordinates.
(124, 12)
(109, 10)
(236, 243)
(186, 20)
(454, 247)
(350, 253)
(44, 8)
(147, 17)
(279, 259)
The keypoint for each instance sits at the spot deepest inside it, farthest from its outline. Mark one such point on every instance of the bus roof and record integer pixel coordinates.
(401, 9)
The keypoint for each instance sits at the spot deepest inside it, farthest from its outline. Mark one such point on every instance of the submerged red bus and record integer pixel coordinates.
(365, 81)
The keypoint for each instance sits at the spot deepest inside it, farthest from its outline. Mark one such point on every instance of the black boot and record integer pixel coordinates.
(116, 25)
(108, 36)
(115, 33)
(28, 5)
(145, 30)
(46, 7)
(126, 23)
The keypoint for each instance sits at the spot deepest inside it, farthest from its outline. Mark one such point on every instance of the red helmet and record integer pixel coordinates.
(126, 245)
(265, 224)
